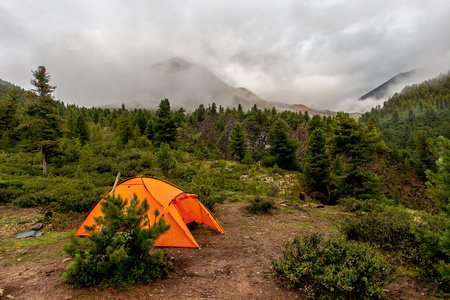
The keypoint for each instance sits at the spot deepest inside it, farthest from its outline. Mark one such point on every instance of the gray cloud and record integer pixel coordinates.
(324, 55)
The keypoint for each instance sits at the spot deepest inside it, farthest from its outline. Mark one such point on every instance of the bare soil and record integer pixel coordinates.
(231, 266)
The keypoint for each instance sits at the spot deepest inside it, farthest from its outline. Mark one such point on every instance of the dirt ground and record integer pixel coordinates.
(231, 266)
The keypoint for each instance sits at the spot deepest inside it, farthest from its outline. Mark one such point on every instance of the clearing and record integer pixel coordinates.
(231, 266)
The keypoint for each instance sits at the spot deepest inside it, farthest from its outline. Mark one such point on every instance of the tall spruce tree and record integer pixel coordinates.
(357, 144)
(164, 129)
(237, 142)
(124, 130)
(43, 124)
(425, 152)
(282, 147)
(317, 163)
(81, 128)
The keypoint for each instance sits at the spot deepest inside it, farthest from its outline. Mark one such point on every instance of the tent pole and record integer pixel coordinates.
(115, 184)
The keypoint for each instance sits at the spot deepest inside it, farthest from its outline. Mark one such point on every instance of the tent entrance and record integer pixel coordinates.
(187, 218)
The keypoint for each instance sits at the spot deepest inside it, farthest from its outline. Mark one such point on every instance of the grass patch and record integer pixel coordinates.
(31, 249)
(48, 238)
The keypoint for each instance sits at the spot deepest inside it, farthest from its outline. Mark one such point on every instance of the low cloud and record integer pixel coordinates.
(324, 55)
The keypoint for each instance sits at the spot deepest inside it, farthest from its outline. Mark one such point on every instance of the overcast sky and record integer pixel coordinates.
(324, 54)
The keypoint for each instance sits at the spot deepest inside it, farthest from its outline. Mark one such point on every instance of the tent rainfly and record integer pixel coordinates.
(180, 209)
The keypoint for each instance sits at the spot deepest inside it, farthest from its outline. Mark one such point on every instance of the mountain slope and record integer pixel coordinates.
(382, 91)
(188, 85)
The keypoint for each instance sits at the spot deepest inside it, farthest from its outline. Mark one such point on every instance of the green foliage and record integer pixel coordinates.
(418, 238)
(166, 161)
(59, 193)
(9, 118)
(43, 124)
(237, 142)
(358, 146)
(124, 130)
(282, 147)
(164, 128)
(259, 206)
(315, 123)
(317, 163)
(333, 269)
(439, 182)
(119, 253)
(420, 107)
(425, 152)
(81, 129)
(359, 206)
(202, 186)
(390, 228)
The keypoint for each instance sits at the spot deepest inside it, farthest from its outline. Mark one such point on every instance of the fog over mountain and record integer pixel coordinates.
(398, 82)
(188, 85)
(323, 54)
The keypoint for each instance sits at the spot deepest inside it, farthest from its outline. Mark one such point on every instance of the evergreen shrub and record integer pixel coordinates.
(333, 269)
(121, 253)
(418, 238)
(259, 205)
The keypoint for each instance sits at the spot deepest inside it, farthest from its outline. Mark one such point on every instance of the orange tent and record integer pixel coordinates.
(180, 209)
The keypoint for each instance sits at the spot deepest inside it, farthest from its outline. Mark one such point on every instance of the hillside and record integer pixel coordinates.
(423, 106)
(398, 82)
(382, 91)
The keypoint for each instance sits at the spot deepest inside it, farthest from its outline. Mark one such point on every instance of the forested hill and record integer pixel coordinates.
(412, 120)
(6, 86)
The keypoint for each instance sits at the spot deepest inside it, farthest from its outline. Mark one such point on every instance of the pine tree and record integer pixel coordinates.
(425, 152)
(166, 161)
(70, 124)
(317, 163)
(237, 142)
(81, 129)
(164, 129)
(122, 253)
(213, 109)
(200, 113)
(314, 123)
(357, 144)
(439, 181)
(123, 130)
(282, 147)
(43, 125)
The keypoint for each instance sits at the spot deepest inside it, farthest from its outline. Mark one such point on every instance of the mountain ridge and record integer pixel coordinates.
(188, 85)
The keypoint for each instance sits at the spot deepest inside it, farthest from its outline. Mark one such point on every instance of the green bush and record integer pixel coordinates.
(419, 239)
(119, 254)
(62, 194)
(333, 269)
(354, 205)
(10, 189)
(259, 205)
(391, 229)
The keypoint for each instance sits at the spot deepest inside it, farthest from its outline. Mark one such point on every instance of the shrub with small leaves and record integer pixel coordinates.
(419, 239)
(118, 254)
(261, 206)
(333, 269)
